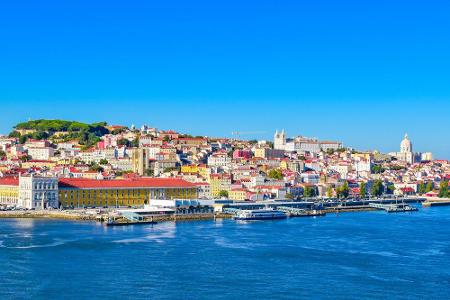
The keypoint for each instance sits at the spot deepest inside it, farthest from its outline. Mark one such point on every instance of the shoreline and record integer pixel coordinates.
(84, 216)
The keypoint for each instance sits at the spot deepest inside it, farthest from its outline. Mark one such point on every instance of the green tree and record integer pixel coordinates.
(309, 192)
(443, 189)
(14, 134)
(170, 169)
(23, 139)
(25, 158)
(2, 154)
(275, 174)
(429, 187)
(421, 188)
(40, 135)
(118, 131)
(223, 194)
(362, 190)
(124, 142)
(103, 161)
(149, 172)
(289, 196)
(135, 143)
(377, 188)
(390, 189)
(343, 191)
(95, 167)
(378, 169)
(329, 192)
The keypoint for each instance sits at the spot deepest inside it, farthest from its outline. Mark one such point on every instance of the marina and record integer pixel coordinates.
(177, 210)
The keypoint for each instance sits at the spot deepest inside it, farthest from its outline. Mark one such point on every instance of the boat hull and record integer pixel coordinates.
(260, 218)
(131, 223)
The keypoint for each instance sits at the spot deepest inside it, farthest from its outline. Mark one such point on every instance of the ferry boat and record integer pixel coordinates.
(260, 214)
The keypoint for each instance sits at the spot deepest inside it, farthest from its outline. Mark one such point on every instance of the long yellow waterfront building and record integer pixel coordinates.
(123, 192)
(76, 192)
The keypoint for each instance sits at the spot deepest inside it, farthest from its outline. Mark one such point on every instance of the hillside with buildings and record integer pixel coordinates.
(56, 163)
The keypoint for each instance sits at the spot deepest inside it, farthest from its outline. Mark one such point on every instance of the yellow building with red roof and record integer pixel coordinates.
(77, 192)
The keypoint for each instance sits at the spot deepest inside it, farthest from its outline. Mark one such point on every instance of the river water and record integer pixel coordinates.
(369, 255)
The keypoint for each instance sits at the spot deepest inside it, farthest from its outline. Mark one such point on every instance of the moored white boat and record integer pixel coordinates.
(260, 214)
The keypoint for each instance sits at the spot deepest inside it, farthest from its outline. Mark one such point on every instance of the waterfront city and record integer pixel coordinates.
(224, 150)
(136, 173)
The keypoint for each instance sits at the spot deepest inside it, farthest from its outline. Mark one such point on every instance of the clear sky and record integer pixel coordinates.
(364, 72)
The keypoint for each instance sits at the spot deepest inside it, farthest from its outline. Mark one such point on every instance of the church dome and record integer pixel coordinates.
(406, 145)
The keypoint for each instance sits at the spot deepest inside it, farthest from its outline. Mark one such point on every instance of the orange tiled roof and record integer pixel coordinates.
(124, 183)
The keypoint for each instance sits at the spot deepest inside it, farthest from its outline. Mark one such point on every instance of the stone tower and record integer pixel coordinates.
(279, 140)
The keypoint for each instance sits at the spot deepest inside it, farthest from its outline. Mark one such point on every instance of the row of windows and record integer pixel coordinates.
(158, 193)
(45, 196)
(41, 186)
(78, 203)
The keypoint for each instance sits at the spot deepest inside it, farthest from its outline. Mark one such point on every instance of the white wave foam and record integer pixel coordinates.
(157, 237)
(224, 243)
(54, 244)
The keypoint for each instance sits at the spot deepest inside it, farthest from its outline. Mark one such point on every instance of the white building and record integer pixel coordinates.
(41, 153)
(302, 144)
(330, 145)
(342, 169)
(145, 140)
(38, 192)
(204, 190)
(219, 159)
(426, 156)
(90, 156)
(123, 164)
(310, 177)
(361, 165)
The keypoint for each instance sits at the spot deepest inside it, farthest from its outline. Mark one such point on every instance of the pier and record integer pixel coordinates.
(298, 212)
(394, 207)
(436, 202)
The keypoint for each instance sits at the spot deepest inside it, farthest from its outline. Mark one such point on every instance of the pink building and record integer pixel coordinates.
(246, 154)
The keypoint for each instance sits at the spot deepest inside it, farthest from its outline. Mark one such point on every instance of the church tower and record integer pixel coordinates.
(279, 140)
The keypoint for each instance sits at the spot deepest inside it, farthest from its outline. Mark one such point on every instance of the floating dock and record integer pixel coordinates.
(129, 218)
(298, 212)
(391, 208)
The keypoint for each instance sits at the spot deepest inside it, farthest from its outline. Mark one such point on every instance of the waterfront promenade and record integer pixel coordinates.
(102, 215)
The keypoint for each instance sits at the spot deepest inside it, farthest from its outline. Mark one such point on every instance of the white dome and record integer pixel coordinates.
(406, 145)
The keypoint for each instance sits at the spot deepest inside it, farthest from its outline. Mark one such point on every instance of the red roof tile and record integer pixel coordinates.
(9, 181)
(124, 183)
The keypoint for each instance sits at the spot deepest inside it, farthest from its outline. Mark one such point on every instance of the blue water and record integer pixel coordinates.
(368, 255)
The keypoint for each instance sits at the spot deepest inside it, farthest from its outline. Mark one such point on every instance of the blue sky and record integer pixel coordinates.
(364, 72)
